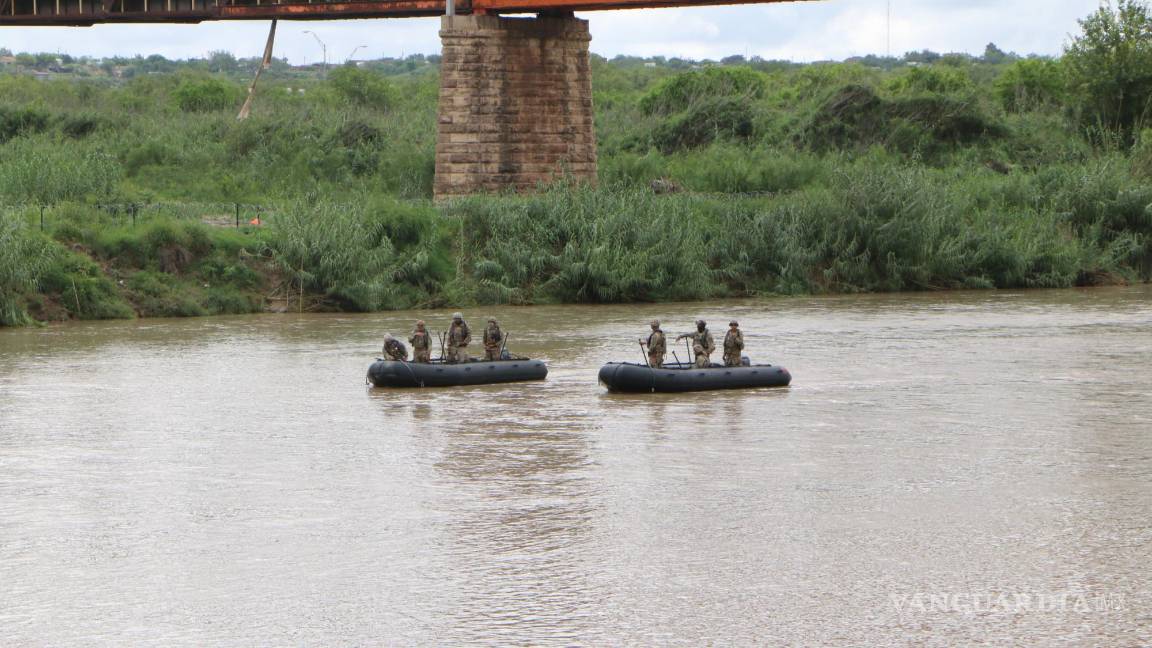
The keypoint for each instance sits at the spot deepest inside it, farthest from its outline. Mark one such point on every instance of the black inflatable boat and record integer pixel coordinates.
(638, 378)
(392, 373)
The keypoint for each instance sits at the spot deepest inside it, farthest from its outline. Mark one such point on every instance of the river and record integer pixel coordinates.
(946, 469)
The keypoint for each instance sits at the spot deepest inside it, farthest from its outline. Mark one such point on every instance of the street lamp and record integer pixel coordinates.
(323, 48)
(353, 53)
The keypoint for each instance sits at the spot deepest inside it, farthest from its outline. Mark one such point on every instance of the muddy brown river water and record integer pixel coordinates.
(946, 469)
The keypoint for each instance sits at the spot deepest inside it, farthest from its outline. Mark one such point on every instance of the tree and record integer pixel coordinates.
(994, 55)
(1030, 84)
(1109, 68)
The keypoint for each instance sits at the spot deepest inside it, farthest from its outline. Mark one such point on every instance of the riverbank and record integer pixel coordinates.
(864, 225)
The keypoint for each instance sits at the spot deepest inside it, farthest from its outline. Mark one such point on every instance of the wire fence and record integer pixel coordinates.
(131, 214)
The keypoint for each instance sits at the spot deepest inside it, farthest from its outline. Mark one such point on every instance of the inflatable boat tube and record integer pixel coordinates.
(637, 378)
(392, 373)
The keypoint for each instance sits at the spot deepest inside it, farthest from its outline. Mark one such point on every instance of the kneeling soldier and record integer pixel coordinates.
(394, 349)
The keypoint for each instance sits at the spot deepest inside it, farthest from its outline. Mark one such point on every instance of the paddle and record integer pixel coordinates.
(504, 345)
(643, 353)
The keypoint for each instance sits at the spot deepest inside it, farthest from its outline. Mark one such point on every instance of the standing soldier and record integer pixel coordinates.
(733, 344)
(493, 336)
(459, 335)
(655, 345)
(702, 344)
(421, 343)
(394, 348)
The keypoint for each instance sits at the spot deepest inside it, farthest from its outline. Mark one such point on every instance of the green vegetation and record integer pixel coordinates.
(126, 188)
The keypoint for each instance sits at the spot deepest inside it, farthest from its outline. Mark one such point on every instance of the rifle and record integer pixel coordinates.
(504, 345)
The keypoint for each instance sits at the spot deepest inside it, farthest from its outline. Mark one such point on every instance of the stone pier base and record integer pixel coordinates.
(515, 104)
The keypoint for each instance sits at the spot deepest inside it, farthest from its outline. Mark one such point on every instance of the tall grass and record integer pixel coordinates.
(24, 256)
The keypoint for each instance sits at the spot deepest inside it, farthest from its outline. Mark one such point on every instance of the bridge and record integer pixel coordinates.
(515, 108)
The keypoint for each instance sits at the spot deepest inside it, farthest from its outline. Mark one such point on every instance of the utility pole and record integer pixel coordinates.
(323, 50)
(353, 52)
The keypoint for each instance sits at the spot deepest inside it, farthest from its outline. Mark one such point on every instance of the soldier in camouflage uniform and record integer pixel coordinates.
(656, 346)
(493, 336)
(702, 344)
(733, 344)
(459, 335)
(394, 349)
(421, 342)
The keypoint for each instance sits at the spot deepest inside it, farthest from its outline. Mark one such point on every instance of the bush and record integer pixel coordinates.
(1031, 84)
(722, 118)
(362, 87)
(206, 94)
(21, 121)
(931, 79)
(683, 91)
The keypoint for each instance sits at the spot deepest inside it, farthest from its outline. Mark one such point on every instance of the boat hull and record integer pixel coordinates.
(625, 377)
(391, 373)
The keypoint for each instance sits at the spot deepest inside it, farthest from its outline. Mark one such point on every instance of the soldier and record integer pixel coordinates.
(702, 339)
(733, 344)
(421, 343)
(655, 345)
(394, 349)
(493, 336)
(459, 335)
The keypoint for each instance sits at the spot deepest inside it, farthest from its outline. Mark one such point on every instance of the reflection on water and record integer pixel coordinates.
(231, 481)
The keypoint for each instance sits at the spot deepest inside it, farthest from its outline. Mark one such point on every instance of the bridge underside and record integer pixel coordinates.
(84, 13)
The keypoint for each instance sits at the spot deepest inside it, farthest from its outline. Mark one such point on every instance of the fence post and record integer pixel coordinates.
(237, 215)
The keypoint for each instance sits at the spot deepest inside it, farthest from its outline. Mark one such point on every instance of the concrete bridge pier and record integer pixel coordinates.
(515, 104)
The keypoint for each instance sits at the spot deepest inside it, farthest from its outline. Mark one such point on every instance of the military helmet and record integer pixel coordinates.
(655, 323)
(388, 337)
(733, 323)
(491, 319)
(457, 315)
(419, 323)
(701, 323)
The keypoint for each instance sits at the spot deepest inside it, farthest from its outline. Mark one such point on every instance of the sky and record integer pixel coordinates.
(798, 31)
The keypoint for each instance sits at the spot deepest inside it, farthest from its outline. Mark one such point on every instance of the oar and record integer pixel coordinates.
(642, 352)
(442, 347)
(677, 357)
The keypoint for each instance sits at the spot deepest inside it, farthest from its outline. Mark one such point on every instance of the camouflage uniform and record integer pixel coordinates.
(493, 336)
(657, 346)
(459, 335)
(702, 344)
(421, 343)
(395, 349)
(733, 345)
